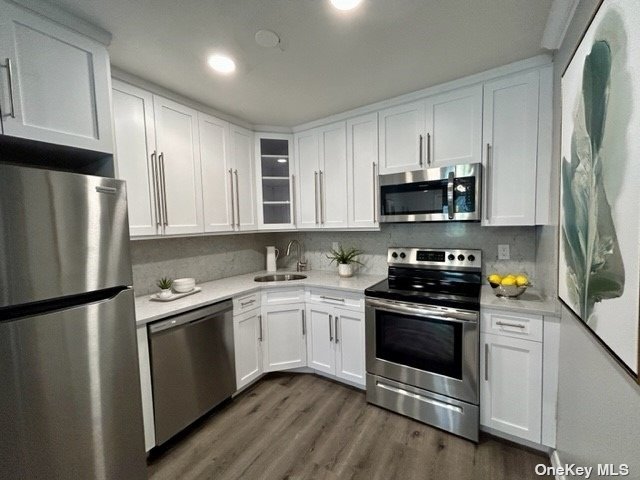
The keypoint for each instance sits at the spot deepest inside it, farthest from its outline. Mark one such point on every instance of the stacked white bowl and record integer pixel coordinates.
(184, 285)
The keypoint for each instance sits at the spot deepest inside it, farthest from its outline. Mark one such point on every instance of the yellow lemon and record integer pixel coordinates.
(495, 278)
(522, 280)
(508, 281)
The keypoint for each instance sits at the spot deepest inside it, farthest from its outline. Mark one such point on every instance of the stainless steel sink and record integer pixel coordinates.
(279, 277)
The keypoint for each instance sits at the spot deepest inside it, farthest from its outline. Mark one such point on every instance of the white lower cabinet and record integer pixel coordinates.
(283, 344)
(247, 339)
(335, 342)
(511, 386)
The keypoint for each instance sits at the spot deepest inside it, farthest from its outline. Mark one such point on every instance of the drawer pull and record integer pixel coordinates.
(332, 299)
(242, 304)
(507, 324)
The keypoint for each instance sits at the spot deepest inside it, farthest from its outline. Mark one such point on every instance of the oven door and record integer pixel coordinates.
(429, 347)
(434, 194)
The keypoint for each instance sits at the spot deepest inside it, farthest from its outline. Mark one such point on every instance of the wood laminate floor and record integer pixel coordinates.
(301, 426)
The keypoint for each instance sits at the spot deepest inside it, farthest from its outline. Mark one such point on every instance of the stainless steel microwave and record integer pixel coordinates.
(432, 195)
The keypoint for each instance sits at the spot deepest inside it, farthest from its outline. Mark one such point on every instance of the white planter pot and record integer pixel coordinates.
(345, 270)
(165, 293)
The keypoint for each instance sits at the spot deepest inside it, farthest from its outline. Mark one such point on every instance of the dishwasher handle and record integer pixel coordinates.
(191, 317)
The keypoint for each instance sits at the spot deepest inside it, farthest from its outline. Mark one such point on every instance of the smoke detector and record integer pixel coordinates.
(267, 38)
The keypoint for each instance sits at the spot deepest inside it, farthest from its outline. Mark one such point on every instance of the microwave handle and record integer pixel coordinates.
(450, 195)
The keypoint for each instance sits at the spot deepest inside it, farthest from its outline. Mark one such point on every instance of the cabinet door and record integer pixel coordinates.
(349, 340)
(283, 337)
(307, 159)
(244, 178)
(320, 338)
(454, 127)
(511, 386)
(216, 177)
(362, 157)
(135, 157)
(510, 132)
(401, 138)
(179, 159)
(247, 337)
(333, 176)
(58, 85)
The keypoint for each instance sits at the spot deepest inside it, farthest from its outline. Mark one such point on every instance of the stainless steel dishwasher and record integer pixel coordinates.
(192, 366)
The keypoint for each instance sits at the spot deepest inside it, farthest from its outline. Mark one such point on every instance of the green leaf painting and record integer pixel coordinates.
(594, 266)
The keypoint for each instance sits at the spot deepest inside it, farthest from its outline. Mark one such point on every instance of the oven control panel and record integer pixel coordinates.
(450, 259)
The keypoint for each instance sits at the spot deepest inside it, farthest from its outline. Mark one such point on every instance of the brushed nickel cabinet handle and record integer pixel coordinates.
(429, 149)
(242, 304)
(332, 299)
(336, 329)
(260, 322)
(233, 199)
(507, 324)
(486, 362)
(304, 324)
(164, 191)
(235, 173)
(486, 183)
(315, 186)
(293, 199)
(321, 198)
(420, 150)
(9, 67)
(375, 194)
(156, 188)
(331, 328)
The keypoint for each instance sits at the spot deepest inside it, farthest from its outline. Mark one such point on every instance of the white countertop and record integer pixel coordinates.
(530, 301)
(226, 288)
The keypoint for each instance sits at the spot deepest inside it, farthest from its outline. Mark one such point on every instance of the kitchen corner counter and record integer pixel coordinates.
(530, 301)
(227, 288)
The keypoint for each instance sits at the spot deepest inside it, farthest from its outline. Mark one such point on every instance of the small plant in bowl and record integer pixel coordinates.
(510, 285)
(345, 259)
(164, 284)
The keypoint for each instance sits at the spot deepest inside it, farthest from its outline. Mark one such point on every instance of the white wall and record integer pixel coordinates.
(598, 402)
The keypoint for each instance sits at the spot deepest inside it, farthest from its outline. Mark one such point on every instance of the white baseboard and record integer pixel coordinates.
(555, 462)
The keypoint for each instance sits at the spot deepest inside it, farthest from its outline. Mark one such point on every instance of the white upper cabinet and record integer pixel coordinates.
(244, 191)
(510, 131)
(275, 183)
(333, 176)
(402, 137)
(362, 170)
(54, 82)
(454, 127)
(321, 156)
(307, 148)
(135, 158)
(216, 175)
(178, 149)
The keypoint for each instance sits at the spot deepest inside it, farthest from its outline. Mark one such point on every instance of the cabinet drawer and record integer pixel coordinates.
(517, 325)
(245, 303)
(353, 301)
(282, 296)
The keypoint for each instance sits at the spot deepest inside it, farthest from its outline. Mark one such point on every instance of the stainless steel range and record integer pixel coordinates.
(422, 335)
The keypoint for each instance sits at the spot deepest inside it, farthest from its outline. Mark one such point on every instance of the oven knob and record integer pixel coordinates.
(402, 255)
(471, 258)
(394, 254)
(461, 257)
(451, 257)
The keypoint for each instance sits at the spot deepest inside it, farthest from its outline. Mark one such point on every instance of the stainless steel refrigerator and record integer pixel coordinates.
(69, 381)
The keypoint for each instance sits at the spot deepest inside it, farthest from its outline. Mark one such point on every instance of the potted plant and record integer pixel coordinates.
(164, 284)
(345, 259)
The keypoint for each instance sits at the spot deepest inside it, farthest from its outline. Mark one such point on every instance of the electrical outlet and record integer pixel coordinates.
(335, 245)
(503, 252)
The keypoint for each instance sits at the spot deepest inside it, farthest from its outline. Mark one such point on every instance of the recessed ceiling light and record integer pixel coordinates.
(282, 160)
(345, 4)
(222, 63)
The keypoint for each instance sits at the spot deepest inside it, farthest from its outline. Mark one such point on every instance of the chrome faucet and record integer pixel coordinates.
(301, 264)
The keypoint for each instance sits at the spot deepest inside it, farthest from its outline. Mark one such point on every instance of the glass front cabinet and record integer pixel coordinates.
(275, 181)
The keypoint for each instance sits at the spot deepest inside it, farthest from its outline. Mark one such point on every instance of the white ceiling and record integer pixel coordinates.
(332, 61)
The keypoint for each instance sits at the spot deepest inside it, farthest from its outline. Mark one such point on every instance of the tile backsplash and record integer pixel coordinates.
(212, 257)
(521, 240)
(204, 258)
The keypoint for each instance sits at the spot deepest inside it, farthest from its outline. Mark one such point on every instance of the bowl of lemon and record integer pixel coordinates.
(510, 286)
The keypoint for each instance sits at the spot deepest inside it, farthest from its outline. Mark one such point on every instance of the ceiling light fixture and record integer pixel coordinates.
(222, 64)
(345, 4)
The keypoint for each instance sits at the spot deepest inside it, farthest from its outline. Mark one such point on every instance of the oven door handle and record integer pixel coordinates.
(449, 315)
